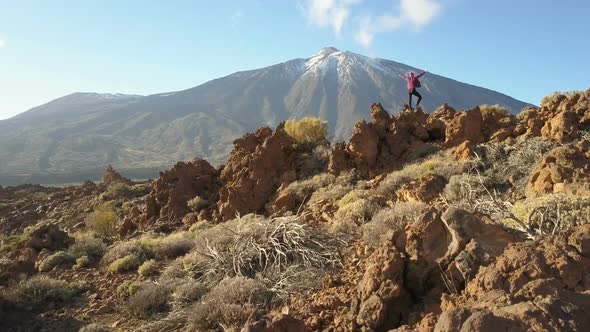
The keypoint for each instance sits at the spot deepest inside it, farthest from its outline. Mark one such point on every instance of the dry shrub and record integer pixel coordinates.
(230, 305)
(389, 219)
(103, 221)
(553, 213)
(309, 130)
(40, 290)
(189, 291)
(88, 245)
(356, 206)
(336, 189)
(312, 160)
(438, 164)
(82, 262)
(302, 190)
(509, 166)
(117, 190)
(150, 299)
(128, 288)
(493, 112)
(254, 246)
(141, 247)
(124, 264)
(58, 259)
(95, 328)
(174, 245)
(197, 203)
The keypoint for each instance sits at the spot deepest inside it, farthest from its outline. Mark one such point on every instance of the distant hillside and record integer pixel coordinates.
(86, 131)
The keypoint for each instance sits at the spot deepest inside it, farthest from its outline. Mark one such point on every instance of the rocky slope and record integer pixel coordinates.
(459, 220)
(84, 132)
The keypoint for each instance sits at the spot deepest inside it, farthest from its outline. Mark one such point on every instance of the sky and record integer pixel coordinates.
(48, 49)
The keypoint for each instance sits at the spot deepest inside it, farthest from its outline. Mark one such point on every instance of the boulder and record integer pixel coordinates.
(564, 169)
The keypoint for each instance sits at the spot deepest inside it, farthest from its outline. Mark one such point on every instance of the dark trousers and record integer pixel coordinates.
(415, 93)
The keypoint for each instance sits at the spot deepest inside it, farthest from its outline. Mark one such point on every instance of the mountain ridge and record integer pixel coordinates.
(86, 130)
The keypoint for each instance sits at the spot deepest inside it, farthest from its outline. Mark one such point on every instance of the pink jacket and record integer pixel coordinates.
(412, 81)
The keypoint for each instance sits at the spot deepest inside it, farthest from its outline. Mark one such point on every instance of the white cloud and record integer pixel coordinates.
(2, 43)
(413, 14)
(405, 14)
(332, 13)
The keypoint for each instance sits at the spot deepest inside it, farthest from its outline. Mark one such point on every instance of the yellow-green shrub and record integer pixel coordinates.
(309, 130)
(103, 221)
(125, 264)
(148, 268)
(491, 112)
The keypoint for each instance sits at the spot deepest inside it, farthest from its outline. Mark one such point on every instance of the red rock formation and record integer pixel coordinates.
(533, 286)
(259, 164)
(383, 144)
(167, 202)
(564, 169)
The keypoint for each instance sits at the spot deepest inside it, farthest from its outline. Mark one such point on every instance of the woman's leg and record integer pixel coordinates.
(410, 95)
(419, 97)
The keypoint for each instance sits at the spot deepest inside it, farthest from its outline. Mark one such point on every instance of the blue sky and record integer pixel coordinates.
(524, 48)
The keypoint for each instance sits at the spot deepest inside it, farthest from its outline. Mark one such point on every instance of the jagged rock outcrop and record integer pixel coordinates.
(111, 176)
(560, 118)
(565, 169)
(437, 122)
(383, 144)
(167, 202)
(259, 164)
(532, 286)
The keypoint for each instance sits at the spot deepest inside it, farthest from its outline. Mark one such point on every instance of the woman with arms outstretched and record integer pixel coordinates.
(413, 84)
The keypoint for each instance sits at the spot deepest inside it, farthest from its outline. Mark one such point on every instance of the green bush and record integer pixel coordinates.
(58, 259)
(148, 300)
(309, 130)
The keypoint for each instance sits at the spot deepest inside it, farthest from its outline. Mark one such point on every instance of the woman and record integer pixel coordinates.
(413, 83)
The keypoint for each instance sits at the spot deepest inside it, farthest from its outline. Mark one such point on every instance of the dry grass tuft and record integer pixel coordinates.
(389, 219)
(553, 213)
(230, 305)
(254, 246)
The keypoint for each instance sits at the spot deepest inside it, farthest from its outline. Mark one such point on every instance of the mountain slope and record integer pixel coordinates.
(85, 131)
